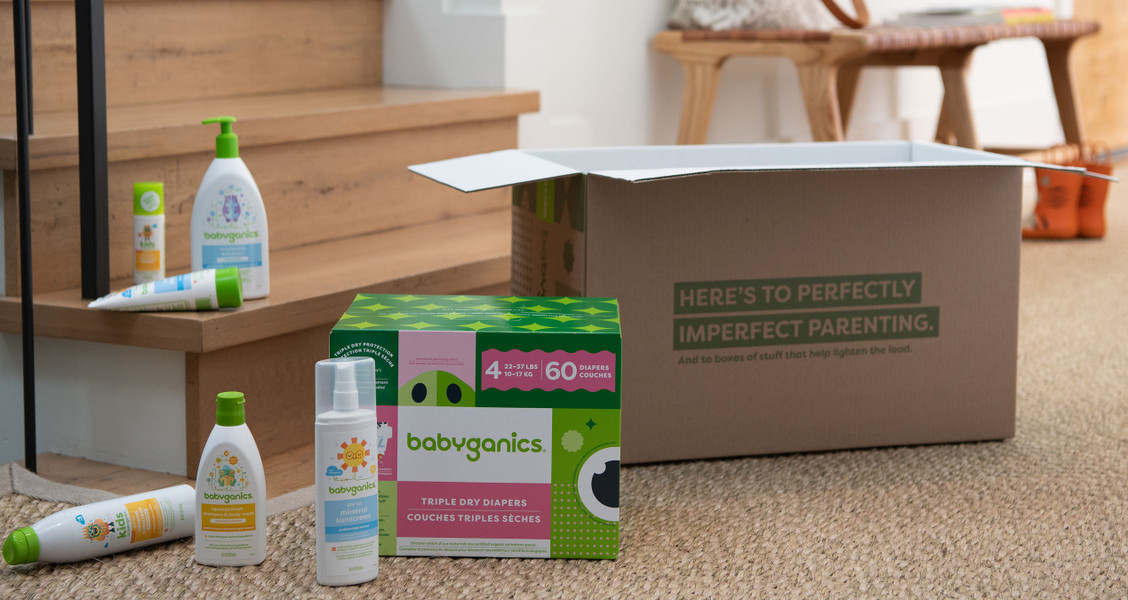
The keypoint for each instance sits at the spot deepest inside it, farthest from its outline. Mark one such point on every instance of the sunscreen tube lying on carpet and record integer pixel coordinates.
(208, 289)
(105, 527)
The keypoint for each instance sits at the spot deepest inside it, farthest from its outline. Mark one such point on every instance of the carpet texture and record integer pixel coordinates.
(1042, 515)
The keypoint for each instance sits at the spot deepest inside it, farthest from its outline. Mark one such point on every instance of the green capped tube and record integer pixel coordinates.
(209, 289)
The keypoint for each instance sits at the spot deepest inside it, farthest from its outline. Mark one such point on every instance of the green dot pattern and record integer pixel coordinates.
(575, 533)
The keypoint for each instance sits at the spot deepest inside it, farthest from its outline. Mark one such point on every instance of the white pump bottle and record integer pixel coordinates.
(229, 219)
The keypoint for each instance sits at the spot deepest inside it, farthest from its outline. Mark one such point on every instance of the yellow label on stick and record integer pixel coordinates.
(147, 260)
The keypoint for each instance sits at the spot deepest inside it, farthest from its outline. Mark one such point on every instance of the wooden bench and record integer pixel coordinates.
(829, 64)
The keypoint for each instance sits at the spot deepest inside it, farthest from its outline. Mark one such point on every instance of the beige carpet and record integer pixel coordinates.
(1042, 515)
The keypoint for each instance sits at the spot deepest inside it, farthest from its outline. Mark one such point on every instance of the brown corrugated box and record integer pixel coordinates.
(782, 298)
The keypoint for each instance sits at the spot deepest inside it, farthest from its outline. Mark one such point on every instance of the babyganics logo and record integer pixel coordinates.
(473, 447)
(353, 489)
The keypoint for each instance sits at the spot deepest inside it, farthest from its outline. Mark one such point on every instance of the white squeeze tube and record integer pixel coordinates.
(347, 463)
(208, 289)
(105, 527)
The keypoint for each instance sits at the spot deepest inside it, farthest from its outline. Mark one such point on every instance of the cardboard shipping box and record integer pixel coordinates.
(781, 298)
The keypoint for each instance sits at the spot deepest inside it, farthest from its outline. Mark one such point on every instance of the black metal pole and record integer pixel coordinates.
(94, 216)
(27, 333)
(29, 71)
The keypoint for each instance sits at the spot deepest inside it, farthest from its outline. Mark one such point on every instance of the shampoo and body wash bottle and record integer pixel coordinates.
(230, 491)
(228, 217)
(347, 513)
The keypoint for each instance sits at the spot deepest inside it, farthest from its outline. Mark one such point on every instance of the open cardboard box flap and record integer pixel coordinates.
(649, 163)
(729, 346)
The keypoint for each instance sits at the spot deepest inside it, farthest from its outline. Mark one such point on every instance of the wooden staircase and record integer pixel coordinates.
(328, 145)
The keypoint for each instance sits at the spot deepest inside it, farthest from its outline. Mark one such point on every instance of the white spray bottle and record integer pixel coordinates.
(347, 463)
(229, 219)
(105, 527)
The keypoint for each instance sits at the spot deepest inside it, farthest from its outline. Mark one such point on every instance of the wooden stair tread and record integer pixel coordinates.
(167, 129)
(310, 286)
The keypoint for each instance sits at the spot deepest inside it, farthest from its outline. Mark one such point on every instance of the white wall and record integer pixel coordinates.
(460, 43)
(110, 403)
(602, 84)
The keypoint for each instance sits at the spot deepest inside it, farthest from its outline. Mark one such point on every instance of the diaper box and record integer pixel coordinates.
(782, 297)
(499, 422)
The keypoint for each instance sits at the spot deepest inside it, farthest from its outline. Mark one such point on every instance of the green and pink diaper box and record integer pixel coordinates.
(499, 422)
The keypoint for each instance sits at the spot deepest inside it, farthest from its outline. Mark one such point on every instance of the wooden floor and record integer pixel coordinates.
(285, 473)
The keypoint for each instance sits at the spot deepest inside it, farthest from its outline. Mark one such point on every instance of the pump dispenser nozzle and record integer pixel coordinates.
(226, 143)
(345, 395)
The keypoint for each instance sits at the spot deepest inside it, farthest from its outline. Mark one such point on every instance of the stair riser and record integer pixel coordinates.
(313, 191)
(174, 50)
(277, 374)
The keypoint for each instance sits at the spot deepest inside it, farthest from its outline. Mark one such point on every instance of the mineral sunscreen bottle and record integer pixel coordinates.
(148, 232)
(230, 491)
(105, 527)
(348, 518)
(228, 217)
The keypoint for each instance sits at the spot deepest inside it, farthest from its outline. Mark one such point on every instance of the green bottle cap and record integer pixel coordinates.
(226, 143)
(229, 409)
(21, 547)
(148, 198)
(229, 287)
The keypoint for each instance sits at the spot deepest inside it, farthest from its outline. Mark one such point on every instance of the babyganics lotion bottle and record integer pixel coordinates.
(228, 217)
(105, 527)
(347, 463)
(230, 491)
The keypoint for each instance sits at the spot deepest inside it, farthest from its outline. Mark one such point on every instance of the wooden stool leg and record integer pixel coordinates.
(701, 77)
(955, 112)
(820, 93)
(848, 75)
(1065, 90)
(944, 133)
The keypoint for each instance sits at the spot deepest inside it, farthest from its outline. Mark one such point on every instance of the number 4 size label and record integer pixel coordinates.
(557, 370)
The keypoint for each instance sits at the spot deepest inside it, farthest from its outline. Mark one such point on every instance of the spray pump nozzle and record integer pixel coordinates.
(226, 143)
(345, 395)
